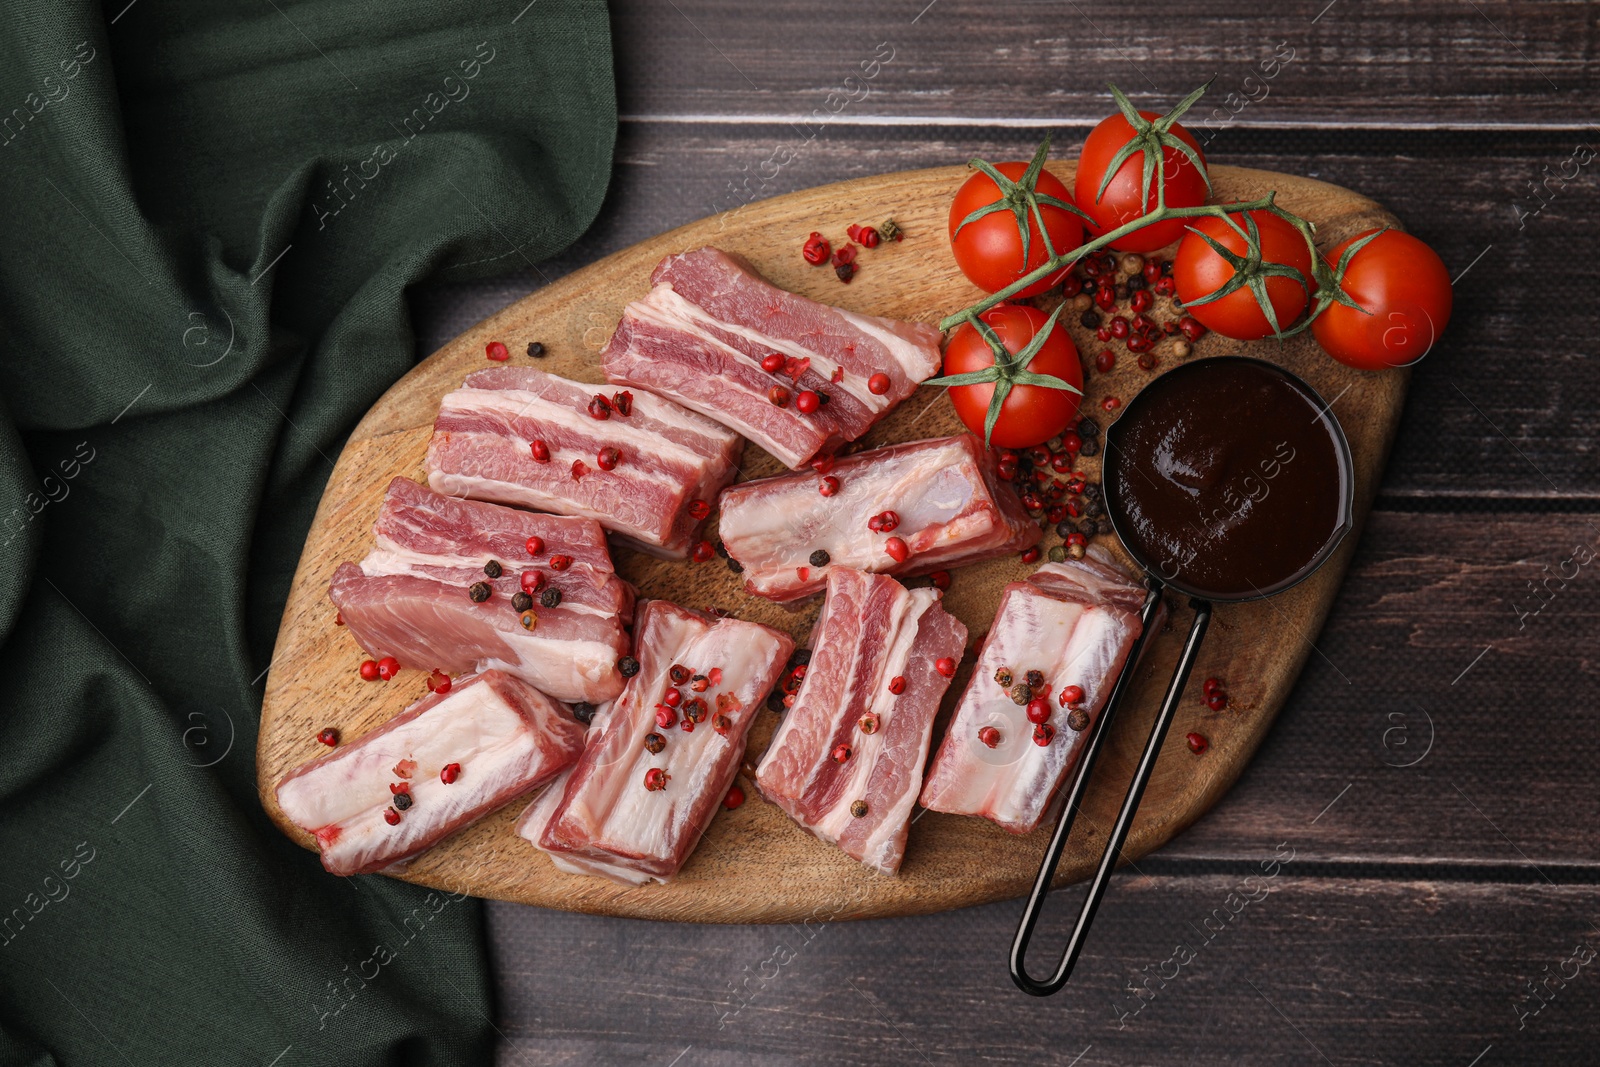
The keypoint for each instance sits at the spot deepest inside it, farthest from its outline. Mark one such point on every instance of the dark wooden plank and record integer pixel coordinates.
(1288, 969)
(1433, 63)
(1530, 295)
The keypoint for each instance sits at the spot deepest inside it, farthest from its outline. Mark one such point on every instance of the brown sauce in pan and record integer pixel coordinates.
(1226, 479)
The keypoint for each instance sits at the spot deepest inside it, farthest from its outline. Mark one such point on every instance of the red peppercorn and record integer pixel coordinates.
(497, 351)
(1031, 555)
(396, 788)
(1105, 361)
(1192, 328)
(1211, 685)
(778, 396)
(772, 362)
(898, 550)
(1076, 538)
(1072, 694)
(816, 249)
(715, 674)
(1103, 334)
(1056, 514)
(940, 580)
(828, 486)
(897, 685)
(369, 670)
(655, 779)
(1119, 327)
(1141, 301)
(388, 667)
(1217, 701)
(540, 450)
(734, 798)
(1071, 443)
(946, 666)
(703, 551)
(869, 237)
(665, 716)
(338, 618)
(405, 768)
(698, 509)
(449, 773)
(1043, 734)
(989, 736)
(579, 469)
(391, 816)
(328, 736)
(837, 376)
(532, 581)
(1152, 271)
(1111, 403)
(439, 682)
(1105, 298)
(1197, 743)
(534, 545)
(888, 522)
(599, 407)
(824, 463)
(721, 724)
(608, 458)
(1038, 710)
(560, 563)
(878, 384)
(1166, 287)
(841, 753)
(1140, 344)
(623, 403)
(672, 698)
(806, 402)
(1006, 469)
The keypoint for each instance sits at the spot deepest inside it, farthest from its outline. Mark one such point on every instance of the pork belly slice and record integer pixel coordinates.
(1075, 622)
(670, 457)
(604, 820)
(951, 504)
(709, 320)
(508, 738)
(409, 597)
(871, 631)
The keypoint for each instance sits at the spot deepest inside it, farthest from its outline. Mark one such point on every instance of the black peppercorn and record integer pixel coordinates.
(722, 549)
(735, 566)
(402, 801)
(627, 666)
(1090, 447)
(1090, 320)
(1066, 528)
(1137, 283)
(1088, 428)
(550, 598)
(775, 701)
(819, 558)
(1035, 679)
(1077, 720)
(535, 349)
(583, 712)
(801, 657)
(654, 742)
(480, 591)
(521, 601)
(493, 568)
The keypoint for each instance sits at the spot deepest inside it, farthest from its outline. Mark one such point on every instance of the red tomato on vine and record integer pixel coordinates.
(1275, 273)
(1404, 300)
(995, 223)
(1117, 178)
(1015, 379)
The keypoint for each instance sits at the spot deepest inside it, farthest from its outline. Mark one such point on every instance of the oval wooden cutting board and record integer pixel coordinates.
(754, 865)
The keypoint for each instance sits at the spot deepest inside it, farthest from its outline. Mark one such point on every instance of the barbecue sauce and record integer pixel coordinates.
(1227, 479)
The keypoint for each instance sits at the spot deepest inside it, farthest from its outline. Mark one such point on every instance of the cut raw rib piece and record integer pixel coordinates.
(670, 457)
(952, 507)
(408, 598)
(701, 333)
(605, 821)
(1075, 622)
(872, 630)
(508, 737)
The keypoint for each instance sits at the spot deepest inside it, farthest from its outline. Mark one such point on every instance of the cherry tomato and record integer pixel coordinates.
(1198, 270)
(1404, 286)
(989, 250)
(1122, 201)
(1030, 414)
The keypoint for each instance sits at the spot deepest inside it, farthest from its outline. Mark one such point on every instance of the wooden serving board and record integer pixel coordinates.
(753, 864)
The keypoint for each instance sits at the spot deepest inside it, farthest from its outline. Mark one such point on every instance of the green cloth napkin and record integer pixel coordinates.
(209, 214)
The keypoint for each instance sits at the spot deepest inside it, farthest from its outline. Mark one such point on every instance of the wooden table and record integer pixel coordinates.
(1431, 777)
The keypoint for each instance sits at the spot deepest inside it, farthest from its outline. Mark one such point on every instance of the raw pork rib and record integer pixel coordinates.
(952, 508)
(1074, 622)
(871, 631)
(482, 448)
(701, 333)
(508, 738)
(408, 599)
(604, 820)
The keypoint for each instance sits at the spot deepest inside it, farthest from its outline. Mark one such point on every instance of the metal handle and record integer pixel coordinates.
(1130, 806)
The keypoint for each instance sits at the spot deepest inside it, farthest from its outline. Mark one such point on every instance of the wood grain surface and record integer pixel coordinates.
(753, 864)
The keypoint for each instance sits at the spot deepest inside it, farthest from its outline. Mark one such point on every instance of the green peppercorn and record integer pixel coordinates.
(550, 598)
(1057, 554)
(480, 591)
(493, 568)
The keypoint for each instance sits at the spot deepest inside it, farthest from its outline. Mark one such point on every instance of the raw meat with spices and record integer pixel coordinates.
(847, 761)
(947, 504)
(1074, 623)
(453, 757)
(658, 762)
(411, 597)
(515, 435)
(709, 321)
